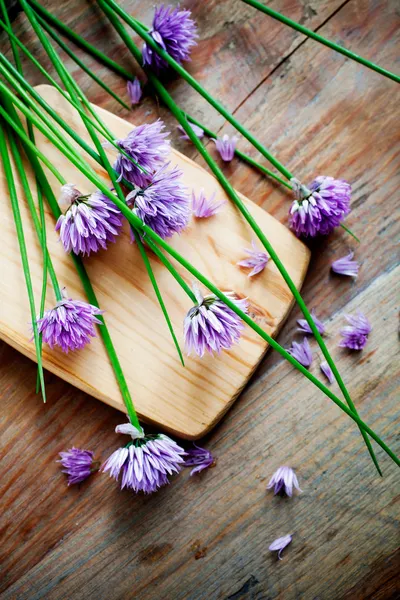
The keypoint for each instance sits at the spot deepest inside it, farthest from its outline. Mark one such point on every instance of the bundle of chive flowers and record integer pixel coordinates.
(147, 191)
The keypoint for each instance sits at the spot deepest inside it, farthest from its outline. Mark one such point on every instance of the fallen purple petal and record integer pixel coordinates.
(280, 544)
(301, 351)
(226, 147)
(78, 464)
(204, 207)
(199, 458)
(283, 481)
(327, 371)
(355, 335)
(346, 266)
(134, 91)
(305, 328)
(257, 260)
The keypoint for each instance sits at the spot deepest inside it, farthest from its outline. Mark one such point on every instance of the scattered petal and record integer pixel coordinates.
(226, 147)
(134, 91)
(199, 458)
(204, 207)
(283, 481)
(301, 351)
(327, 371)
(198, 131)
(280, 544)
(355, 335)
(257, 260)
(78, 464)
(346, 266)
(305, 328)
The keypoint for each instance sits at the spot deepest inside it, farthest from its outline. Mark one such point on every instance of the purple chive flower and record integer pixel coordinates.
(163, 204)
(226, 147)
(78, 464)
(134, 91)
(305, 328)
(280, 544)
(211, 325)
(301, 351)
(70, 324)
(257, 260)
(145, 462)
(198, 131)
(346, 266)
(321, 207)
(147, 146)
(90, 222)
(283, 481)
(327, 371)
(204, 207)
(355, 335)
(176, 33)
(199, 458)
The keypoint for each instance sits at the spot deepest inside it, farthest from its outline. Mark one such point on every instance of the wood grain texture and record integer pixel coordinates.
(207, 538)
(186, 401)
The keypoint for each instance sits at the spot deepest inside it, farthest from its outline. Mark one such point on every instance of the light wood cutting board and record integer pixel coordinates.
(186, 401)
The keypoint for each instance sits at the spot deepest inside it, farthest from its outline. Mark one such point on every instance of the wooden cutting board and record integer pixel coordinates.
(186, 401)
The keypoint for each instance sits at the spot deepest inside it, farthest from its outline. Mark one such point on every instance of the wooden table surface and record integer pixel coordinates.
(207, 537)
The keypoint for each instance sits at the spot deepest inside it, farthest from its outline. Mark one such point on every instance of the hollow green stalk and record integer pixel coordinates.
(79, 98)
(138, 224)
(319, 38)
(8, 172)
(168, 100)
(80, 63)
(33, 154)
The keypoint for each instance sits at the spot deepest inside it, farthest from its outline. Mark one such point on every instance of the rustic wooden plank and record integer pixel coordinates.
(208, 537)
(187, 401)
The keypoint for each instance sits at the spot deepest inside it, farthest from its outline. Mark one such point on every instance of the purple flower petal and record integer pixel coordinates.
(327, 371)
(134, 91)
(78, 464)
(346, 266)
(198, 131)
(284, 480)
(280, 544)
(305, 328)
(257, 260)
(226, 147)
(204, 207)
(199, 458)
(355, 335)
(90, 222)
(301, 351)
